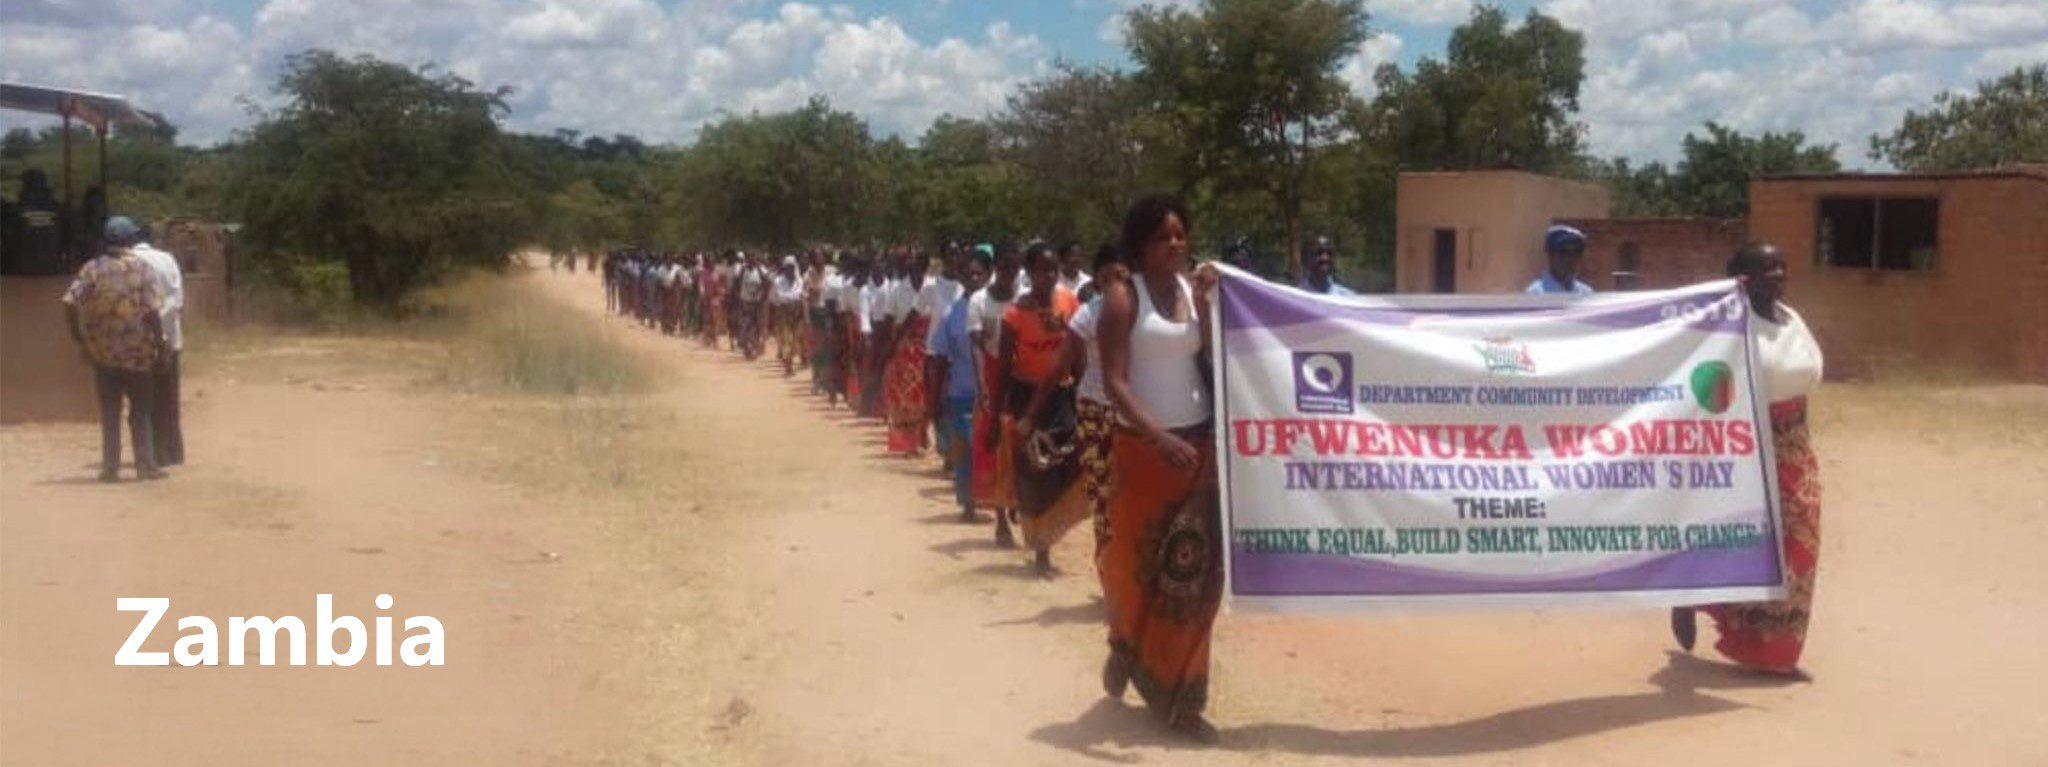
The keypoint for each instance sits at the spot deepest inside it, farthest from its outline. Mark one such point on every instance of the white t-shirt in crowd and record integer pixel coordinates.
(789, 289)
(864, 303)
(835, 290)
(934, 299)
(986, 314)
(886, 305)
(1083, 325)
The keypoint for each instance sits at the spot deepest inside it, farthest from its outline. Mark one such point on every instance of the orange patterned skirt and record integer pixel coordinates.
(1162, 570)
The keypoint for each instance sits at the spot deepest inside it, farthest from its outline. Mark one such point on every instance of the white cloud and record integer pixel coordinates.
(1781, 26)
(1609, 23)
(601, 66)
(1999, 61)
(1382, 48)
(1890, 25)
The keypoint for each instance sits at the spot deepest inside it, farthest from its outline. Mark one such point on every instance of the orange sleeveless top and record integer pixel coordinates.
(1039, 332)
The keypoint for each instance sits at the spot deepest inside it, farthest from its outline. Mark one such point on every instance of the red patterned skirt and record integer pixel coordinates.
(905, 399)
(1770, 635)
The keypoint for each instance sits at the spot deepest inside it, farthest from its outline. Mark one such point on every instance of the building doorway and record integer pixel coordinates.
(1444, 262)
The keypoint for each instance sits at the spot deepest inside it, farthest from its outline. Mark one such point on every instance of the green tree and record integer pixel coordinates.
(399, 174)
(1713, 178)
(807, 175)
(1252, 89)
(2005, 121)
(1636, 191)
(1078, 141)
(1500, 98)
(963, 188)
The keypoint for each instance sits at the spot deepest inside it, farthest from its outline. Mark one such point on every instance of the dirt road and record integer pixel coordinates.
(724, 571)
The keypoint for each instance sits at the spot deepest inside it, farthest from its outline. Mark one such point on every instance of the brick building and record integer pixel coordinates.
(1947, 269)
(1653, 253)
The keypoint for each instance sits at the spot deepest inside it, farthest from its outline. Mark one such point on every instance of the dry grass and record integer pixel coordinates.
(506, 337)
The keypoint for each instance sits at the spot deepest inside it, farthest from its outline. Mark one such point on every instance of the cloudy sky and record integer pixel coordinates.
(1838, 70)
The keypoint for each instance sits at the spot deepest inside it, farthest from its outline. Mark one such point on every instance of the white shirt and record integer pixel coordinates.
(788, 290)
(906, 299)
(835, 290)
(1788, 356)
(1074, 283)
(886, 305)
(1083, 324)
(933, 300)
(986, 314)
(172, 283)
(753, 283)
(864, 301)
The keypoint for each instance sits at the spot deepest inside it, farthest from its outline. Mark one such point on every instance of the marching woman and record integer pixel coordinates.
(956, 363)
(1161, 573)
(715, 286)
(881, 298)
(853, 314)
(1036, 444)
(837, 351)
(909, 404)
(818, 319)
(934, 300)
(985, 314)
(786, 315)
(1094, 417)
(1768, 636)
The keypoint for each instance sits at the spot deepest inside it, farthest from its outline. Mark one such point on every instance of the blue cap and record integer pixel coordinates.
(121, 230)
(986, 250)
(1560, 237)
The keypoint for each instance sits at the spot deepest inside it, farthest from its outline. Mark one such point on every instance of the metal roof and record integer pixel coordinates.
(97, 109)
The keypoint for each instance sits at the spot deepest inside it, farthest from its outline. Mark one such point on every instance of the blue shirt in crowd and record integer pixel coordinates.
(952, 342)
(1548, 284)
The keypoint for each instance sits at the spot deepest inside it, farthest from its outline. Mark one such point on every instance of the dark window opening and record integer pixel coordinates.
(1878, 232)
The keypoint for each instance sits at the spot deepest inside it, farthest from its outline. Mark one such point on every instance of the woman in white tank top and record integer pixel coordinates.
(1162, 566)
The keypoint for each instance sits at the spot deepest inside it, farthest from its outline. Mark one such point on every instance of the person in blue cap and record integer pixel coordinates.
(1566, 248)
(114, 308)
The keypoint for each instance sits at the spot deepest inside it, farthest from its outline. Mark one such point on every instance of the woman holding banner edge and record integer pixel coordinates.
(1162, 568)
(1768, 636)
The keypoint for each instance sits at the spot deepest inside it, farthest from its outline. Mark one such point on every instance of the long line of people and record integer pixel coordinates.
(1056, 389)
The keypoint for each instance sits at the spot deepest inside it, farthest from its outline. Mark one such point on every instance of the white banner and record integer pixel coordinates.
(1492, 449)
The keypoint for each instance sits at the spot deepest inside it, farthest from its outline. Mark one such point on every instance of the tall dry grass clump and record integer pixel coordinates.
(504, 336)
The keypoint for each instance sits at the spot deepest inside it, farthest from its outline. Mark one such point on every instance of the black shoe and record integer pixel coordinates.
(1684, 627)
(967, 516)
(1003, 537)
(1116, 675)
(110, 475)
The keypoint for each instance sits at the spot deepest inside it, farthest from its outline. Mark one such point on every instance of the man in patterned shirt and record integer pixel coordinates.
(114, 308)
